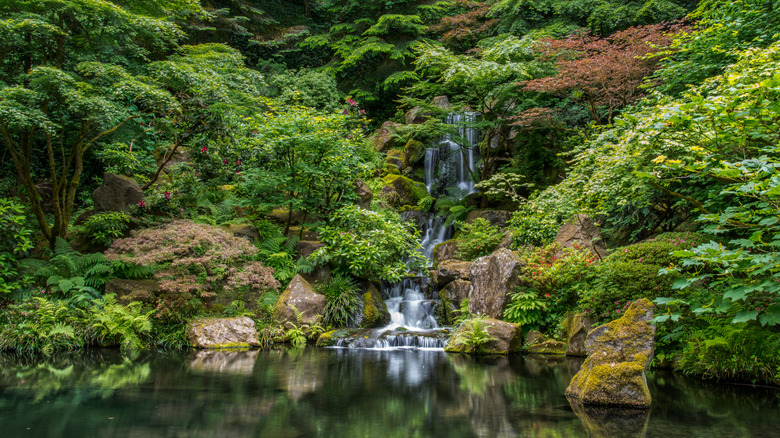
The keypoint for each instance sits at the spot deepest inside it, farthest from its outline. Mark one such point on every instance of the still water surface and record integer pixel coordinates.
(349, 393)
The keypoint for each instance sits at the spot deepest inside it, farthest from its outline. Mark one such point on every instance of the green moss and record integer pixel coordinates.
(409, 192)
(414, 151)
(550, 346)
(616, 384)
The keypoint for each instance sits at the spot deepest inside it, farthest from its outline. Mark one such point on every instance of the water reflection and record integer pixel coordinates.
(348, 393)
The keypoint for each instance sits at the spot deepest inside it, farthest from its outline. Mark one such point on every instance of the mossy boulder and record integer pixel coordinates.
(395, 157)
(246, 231)
(414, 151)
(302, 296)
(619, 354)
(117, 193)
(383, 137)
(444, 251)
(548, 346)
(508, 338)
(400, 190)
(222, 333)
(375, 312)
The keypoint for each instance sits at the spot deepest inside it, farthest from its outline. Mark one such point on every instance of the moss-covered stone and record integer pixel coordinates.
(618, 356)
(414, 151)
(549, 346)
(400, 190)
(222, 333)
(508, 338)
(375, 312)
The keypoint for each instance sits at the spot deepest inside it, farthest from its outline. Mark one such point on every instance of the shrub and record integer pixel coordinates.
(658, 250)
(43, 326)
(343, 302)
(365, 244)
(533, 224)
(14, 244)
(477, 239)
(554, 280)
(734, 352)
(104, 228)
(196, 263)
(473, 334)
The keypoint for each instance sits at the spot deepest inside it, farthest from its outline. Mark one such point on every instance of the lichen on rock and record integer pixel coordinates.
(619, 354)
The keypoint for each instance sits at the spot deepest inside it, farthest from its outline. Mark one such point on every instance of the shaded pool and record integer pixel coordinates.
(349, 393)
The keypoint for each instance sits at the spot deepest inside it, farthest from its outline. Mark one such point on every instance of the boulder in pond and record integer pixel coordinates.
(493, 278)
(581, 232)
(222, 333)
(117, 193)
(619, 353)
(301, 295)
(507, 338)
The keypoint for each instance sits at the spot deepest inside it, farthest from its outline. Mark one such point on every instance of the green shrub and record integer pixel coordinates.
(366, 244)
(343, 302)
(43, 326)
(473, 334)
(658, 250)
(533, 226)
(554, 280)
(14, 244)
(477, 239)
(104, 228)
(733, 352)
(618, 284)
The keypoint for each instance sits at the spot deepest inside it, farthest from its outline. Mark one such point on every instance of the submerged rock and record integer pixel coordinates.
(619, 354)
(229, 362)
(301, 295)
(549, 346)
(222, 333)
(508, 338)
(493, 278)
(610, 421)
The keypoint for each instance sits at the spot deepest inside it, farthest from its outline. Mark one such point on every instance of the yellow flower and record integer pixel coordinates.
(659, 159)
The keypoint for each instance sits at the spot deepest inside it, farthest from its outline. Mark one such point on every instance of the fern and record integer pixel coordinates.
(69, 273)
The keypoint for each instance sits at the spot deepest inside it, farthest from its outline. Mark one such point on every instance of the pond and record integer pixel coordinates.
(350, 393)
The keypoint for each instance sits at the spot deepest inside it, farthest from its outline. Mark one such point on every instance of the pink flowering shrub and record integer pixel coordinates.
(196, 264)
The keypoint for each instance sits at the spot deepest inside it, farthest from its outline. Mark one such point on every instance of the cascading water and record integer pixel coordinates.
(448, 169)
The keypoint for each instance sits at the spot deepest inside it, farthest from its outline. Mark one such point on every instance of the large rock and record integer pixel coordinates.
(576, 327)
(302, 296)
(444, 251)
(375, 312)
(451, 270)
(364, 194)
(581, 232)
(442, 102)
(383, 137)
(400, 190)
(497, 218)
(416, 115)
(508, 339)
(414, 151)
(222, 333)
(493, 278)
(305, 248)
(117, 193)
(451, 297)
(619, 353)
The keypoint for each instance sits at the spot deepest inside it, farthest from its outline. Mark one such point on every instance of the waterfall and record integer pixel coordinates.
(448, 170)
